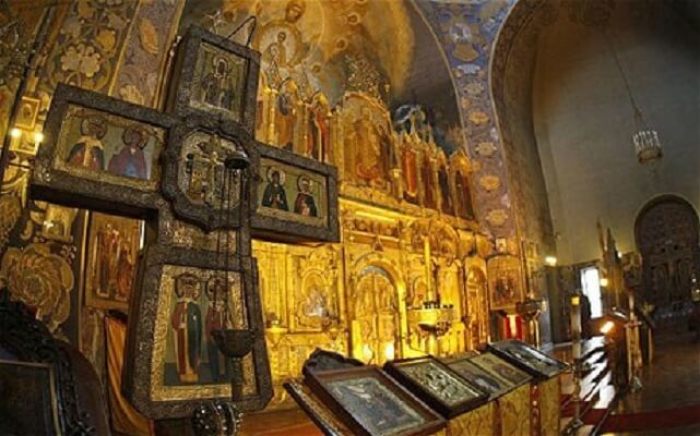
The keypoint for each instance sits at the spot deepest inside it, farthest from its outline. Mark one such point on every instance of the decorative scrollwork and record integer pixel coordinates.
(216, 418)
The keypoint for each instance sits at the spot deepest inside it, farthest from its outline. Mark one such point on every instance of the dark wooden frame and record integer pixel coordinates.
(328, 424)
(48, 183)
(477, 370)
(500, 349)
(28, 340)
(394, 369)
(184, 70)
(316, 382)
(142, 324)
(49, 391)
(263, 226)
(200, 215)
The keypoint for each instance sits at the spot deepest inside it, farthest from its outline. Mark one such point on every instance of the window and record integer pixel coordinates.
(590, 283)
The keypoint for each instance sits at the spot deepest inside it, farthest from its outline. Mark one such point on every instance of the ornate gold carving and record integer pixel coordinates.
(378, 272)
(40, 279)
(478, 117)
(375, 312)
(490, 182)
(497, 217)
(364, 76)
(549, 407)
(58, 223)
(478, 421)
(182, 234)
(10, 212)
(477, 307)
(314, 301)
(149, 36)
(486, 149)
(399, 167)
(505, 280)
(514, 411)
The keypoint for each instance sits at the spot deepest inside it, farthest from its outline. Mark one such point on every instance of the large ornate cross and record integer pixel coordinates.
(182, 172)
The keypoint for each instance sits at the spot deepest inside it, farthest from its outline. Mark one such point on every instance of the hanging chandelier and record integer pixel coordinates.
(646, 141)
(647, 145)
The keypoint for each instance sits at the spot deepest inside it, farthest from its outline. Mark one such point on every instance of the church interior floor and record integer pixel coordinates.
(667, 405)
(669, 402)
(283, 423)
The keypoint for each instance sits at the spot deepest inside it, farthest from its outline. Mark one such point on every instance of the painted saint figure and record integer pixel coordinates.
(108, 246)
(505, 289)
(428, 186)
(125, 272)
(217, 318)
(368, 148)
(274, 196)
(276, 52)
(186, 322)
(217, 88)
(466, 208)
(410, 174)
(88, 151)
(286, 116)
(305, 204)
(131, 161)
(445, 197)
(319, 131)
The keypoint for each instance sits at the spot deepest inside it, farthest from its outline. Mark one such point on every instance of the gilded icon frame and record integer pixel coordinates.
(398, 369)
(27, 121)
(504, 270)
(528, 358)
(321, 382)
(93, 275)
(491, 382)
(493, 364)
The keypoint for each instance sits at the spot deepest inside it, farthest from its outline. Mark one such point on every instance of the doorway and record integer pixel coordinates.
(666, 233)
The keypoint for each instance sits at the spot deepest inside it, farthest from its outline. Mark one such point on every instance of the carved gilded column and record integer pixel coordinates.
(267, 103)
(271, 130)
(300, 126)
(301, 141)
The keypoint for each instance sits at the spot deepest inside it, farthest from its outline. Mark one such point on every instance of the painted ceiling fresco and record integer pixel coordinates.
(385, 49)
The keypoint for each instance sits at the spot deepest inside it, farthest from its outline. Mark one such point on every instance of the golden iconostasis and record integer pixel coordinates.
(409, 275)
(408, 240)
